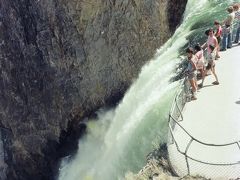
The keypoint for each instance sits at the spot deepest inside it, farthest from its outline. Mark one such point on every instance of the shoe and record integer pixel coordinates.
(223, 49)
(229, 47)
(215, 83)
(194, 98)
(200, 85)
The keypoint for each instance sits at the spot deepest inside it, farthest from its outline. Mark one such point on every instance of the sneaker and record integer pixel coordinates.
(215, 83)
(223, 49)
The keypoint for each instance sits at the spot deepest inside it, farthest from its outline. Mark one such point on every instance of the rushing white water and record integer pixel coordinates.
(121, 138)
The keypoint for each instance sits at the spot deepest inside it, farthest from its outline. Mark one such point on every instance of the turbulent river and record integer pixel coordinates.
(121, 138)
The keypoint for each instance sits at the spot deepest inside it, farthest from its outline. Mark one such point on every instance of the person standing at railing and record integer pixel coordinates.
(211, 46)
(211, 66)
(227, 29)
(218, 35)
(192, 72)
(237, 17)
(199, 59)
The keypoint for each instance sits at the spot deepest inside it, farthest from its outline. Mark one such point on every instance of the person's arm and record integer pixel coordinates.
(204, 46)
(226, 20)
(215, 44)
(193, 65)
(217, 34)
(222, 23)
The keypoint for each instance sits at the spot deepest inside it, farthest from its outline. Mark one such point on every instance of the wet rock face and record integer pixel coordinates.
(62, 60)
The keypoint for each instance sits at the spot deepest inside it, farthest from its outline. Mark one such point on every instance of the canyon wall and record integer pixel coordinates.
(60, 60)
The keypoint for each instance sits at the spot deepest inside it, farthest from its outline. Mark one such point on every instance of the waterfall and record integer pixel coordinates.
(122, 137)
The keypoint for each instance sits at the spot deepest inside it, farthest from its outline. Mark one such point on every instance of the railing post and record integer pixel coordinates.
(190, 142)
(238, 143)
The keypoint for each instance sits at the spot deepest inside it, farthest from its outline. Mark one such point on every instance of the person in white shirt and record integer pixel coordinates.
(199, 59)
(211, 46)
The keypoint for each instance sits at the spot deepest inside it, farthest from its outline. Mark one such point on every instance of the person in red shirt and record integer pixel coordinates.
(218, 35)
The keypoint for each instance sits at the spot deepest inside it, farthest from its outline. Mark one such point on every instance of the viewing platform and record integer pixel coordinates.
(205, 134)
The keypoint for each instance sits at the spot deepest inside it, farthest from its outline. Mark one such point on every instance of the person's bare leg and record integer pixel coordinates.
(202, 73)
(215, 75)
(203, 78)
(217, 53)
(194, 88)
(195, 81)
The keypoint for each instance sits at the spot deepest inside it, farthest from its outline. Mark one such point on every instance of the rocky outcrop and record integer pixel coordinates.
(158, 168)
(63, 59)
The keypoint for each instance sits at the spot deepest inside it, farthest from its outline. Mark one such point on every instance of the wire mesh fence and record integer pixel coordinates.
(190, 156)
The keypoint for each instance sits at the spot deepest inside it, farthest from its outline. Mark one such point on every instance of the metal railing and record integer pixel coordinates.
(176, 116)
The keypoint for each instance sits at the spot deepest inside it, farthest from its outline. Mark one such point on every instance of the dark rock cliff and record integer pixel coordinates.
(60, 60)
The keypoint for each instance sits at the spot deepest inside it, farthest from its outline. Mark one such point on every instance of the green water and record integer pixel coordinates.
(121, 138)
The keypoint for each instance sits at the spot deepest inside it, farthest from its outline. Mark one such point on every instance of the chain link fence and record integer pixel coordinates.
(190, 156)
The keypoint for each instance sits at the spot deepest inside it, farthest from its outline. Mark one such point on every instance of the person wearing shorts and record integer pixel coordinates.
(211, 66)
(191, 72)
